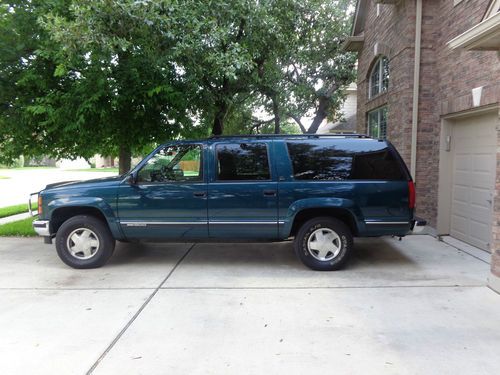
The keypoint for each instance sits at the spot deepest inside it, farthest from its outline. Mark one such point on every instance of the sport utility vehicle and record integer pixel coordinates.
(320, 190)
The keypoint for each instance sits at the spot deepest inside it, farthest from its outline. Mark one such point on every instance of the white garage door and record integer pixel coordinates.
(474, 143)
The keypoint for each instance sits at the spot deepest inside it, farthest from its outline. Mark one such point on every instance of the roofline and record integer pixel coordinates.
(359, 17)
(306, 135)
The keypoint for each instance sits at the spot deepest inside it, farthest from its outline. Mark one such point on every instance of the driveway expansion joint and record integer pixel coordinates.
(136, 315)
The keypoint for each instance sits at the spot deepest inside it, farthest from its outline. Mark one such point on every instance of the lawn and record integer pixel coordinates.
(18, 228)
(17, 209)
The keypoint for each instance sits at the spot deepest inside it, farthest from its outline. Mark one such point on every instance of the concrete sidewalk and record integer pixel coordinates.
(418, 306)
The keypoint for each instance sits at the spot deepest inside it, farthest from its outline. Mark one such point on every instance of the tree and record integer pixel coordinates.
(323, 70)
(104, 91)
(112, 77)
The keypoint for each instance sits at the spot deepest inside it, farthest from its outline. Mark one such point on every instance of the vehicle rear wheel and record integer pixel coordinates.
(84, 242)
(324, 244)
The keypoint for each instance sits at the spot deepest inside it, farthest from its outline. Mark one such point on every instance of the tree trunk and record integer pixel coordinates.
(299, 123)
(320, 115)
(218, 126)
(124, 159)
(276, 116)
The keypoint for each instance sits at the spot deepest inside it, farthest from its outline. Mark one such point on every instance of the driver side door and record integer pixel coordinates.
(169, 197)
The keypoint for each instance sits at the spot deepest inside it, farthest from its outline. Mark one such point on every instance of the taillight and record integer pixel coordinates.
(39, 205)
(411, 194)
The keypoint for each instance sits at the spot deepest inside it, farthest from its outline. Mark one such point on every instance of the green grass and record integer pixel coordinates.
(4, 177)
(18, 228)
(114, 170)
(17, 209)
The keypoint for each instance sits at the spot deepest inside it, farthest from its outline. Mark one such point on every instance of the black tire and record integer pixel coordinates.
(98, 248)
(333, 259)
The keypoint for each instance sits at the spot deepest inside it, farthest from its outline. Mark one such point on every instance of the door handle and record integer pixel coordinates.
(199, 194)
(269, 193)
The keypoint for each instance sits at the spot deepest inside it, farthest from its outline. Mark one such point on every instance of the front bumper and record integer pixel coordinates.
(417, 225)
(42, 227)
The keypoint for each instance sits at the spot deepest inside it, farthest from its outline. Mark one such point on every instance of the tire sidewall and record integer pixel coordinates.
(106, 242)
(306, 231)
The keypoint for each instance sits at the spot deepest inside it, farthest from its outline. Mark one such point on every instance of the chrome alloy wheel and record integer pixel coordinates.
(82, 243)
(324, 244)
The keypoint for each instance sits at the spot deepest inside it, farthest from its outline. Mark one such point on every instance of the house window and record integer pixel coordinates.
(379, 77)
(377, 123)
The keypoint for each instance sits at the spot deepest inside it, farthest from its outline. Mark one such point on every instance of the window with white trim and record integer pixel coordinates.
(377, 123)
(379, 77)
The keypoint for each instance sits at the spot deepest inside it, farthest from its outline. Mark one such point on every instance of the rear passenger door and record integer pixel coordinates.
(242, 191)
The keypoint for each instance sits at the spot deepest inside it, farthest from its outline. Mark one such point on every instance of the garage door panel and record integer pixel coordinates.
(458, 224)
(482, 163)
(479, 214)
(463, 178)
(479, 232)
(480, 197)
(463, 162)
(460, 194)
(473, 178)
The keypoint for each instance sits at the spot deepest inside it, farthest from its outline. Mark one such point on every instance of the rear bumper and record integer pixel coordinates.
(417, 225)
(42, 227)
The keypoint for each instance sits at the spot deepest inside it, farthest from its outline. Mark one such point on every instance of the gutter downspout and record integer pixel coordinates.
(416, 83)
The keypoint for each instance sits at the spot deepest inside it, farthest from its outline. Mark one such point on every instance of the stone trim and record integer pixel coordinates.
(490, 95)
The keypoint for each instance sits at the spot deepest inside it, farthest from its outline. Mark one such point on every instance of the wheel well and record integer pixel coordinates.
(60, 215)
(310, 213)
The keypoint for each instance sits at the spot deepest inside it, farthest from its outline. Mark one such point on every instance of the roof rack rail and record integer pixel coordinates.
(312, 135)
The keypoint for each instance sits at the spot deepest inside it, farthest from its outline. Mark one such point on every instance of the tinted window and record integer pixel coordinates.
(327, 160)
(172, 164)
(379, 165)
(319, 161)
(242, 161)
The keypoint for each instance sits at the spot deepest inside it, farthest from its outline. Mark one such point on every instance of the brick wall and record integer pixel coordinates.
(446, 79)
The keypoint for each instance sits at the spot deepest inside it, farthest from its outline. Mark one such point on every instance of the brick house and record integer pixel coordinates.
(429, 81)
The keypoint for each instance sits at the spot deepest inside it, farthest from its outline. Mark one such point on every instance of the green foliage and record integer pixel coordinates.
(118, 77)
(23, 228)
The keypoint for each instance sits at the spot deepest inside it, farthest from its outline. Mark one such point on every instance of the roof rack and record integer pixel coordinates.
(339, 135)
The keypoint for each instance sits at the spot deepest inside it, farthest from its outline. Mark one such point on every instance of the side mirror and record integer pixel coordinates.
(132, 178)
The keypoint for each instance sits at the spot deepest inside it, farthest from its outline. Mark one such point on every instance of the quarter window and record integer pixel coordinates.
(242, 161)
(173, 164)
(377, 123)
(379, 77)
(376, 165)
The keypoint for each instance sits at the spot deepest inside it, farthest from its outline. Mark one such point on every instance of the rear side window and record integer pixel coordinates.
(331, 161)
(242, 161)
(379, 165)
(315, 161)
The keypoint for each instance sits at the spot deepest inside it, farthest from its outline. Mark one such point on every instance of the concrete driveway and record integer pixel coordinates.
(418, 306)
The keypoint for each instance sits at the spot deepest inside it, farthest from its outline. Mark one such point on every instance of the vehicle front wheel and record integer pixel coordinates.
(324, 244)
(84, 242)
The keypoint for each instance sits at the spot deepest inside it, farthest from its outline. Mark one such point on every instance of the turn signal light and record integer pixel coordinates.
(39, 205)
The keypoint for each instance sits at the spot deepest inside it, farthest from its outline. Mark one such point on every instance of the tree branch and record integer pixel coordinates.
(297, 120)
